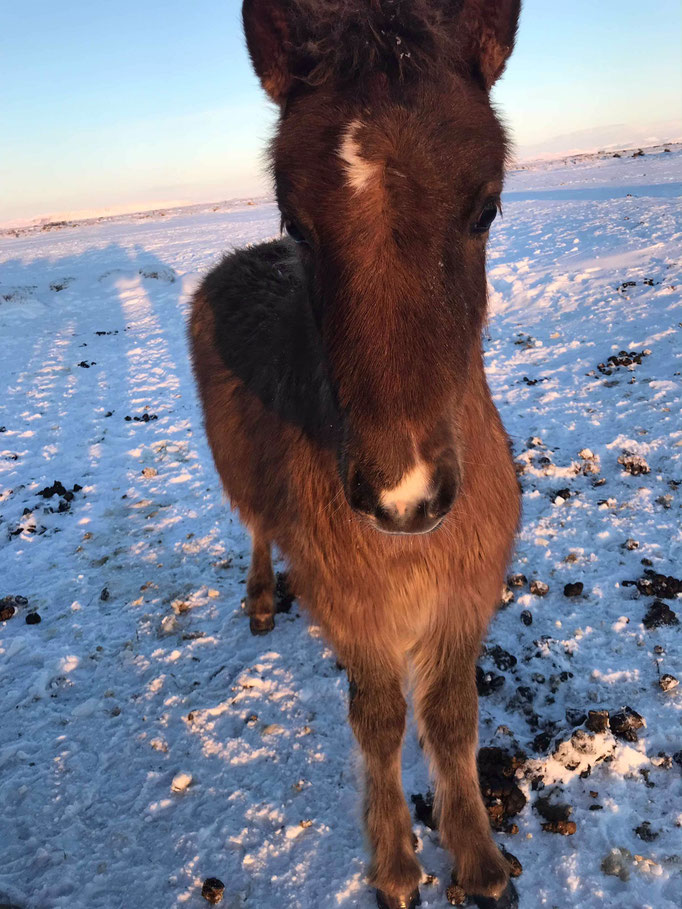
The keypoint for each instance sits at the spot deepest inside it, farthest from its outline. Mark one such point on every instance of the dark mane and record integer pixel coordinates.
(343, 41)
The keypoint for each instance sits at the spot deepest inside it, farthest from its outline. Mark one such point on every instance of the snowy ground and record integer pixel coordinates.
(143, 668)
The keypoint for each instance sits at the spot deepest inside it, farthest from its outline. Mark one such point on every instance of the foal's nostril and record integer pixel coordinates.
(360, 494)
(445, 495)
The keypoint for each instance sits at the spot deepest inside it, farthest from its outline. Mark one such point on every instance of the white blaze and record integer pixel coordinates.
(359, 172)
(412, 489)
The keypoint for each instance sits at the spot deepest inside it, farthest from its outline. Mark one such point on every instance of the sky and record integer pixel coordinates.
(131, 105)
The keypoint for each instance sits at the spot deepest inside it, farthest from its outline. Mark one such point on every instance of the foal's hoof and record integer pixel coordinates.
(261, 624)
(484, 872)
(384, 901)
(508, 900)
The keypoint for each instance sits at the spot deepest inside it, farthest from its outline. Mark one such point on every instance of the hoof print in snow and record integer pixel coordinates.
(668, 682)
(517, 580)
(527, 617)
(574, 589)
(487, 682)
(213, 890)
(625, 723)
(539, 588)
(597, 721)
(423, 809)
(633, 464)
(658, 614)
(33, 618)
(631, 545)
(85, 365)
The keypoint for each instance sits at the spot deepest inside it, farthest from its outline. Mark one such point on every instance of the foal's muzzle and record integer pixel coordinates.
(417, 505)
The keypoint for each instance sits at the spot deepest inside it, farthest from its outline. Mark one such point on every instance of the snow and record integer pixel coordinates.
(148, 741)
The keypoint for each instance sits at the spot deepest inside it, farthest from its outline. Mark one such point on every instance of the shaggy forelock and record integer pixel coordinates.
(339, 41)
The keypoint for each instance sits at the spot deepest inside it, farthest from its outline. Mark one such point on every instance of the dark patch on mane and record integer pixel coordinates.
(352, 41)
(260, 302)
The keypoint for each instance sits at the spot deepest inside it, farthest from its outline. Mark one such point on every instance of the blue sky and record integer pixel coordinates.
(134, 104)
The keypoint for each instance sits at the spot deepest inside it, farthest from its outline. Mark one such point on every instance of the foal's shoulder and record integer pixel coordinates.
(255, 278)
(253, 312)
(258, 303)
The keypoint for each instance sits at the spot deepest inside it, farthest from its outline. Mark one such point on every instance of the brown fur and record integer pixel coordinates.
(327, 368)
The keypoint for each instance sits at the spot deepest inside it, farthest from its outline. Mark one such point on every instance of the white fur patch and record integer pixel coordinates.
(413, 488)
(360, 172)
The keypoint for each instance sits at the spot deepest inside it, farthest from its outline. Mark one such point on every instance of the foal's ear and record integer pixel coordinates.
(268, 38)
(488, 28)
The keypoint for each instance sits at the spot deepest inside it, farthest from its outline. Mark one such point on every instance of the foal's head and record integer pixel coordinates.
(388, 163)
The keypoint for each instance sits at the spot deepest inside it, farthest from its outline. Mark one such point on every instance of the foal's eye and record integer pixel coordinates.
(294, 231)
(486, 217)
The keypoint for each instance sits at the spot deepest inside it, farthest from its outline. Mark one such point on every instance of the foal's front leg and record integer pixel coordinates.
(377, 711)
(446, 703)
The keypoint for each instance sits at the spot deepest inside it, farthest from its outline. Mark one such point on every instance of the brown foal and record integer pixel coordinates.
(342, 381)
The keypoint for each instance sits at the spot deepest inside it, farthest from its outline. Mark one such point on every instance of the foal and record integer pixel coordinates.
(342, 382)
